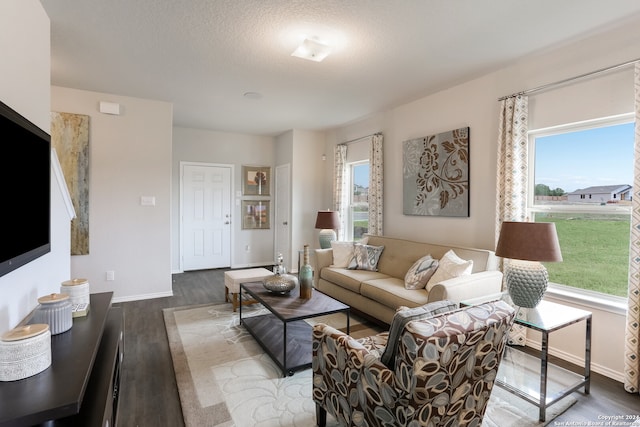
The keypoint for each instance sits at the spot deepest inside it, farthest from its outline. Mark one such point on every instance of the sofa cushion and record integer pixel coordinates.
(420, 272)
(406, 315)
(349, 279)
(450, 266)
(365, 257)
(399, 254)
(390, 291)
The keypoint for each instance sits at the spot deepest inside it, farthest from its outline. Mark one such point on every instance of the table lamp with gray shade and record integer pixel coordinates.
(526, 244)
(327, 222)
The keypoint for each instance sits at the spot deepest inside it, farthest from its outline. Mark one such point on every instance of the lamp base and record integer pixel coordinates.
(526, 282)
(326, 237)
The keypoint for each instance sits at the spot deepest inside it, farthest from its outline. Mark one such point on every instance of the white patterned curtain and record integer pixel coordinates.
(513, 161)
(340, 192)
(632, 337)
(376, 181)
(513, 174)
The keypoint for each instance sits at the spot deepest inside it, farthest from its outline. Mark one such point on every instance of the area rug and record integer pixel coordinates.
(225, 379)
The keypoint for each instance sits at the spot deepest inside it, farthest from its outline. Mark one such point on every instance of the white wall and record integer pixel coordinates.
(475, 104)
(130, 157)
(283, 156)
(302, 149)
(306, 189)
(195, 145)
(25, 71)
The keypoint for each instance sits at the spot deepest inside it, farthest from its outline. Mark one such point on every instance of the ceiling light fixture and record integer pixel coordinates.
(312, 50)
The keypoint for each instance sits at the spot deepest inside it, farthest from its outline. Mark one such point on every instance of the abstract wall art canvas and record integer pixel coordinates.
(256, 180)
(70, 139)
(436, 174)
(256, 214)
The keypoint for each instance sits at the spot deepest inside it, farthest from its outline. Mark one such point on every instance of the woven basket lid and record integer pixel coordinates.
(24, 332)
(74, 282)
(52, 298)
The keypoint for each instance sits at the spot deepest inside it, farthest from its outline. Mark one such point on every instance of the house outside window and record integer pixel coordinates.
(358, 212)
(581, 179)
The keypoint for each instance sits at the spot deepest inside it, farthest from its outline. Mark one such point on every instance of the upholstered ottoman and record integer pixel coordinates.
(233, 279)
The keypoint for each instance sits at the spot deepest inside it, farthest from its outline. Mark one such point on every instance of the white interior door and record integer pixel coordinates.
(206, 217)
(282, 236)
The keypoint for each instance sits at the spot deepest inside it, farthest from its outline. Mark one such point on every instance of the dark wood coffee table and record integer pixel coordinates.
(282, 332)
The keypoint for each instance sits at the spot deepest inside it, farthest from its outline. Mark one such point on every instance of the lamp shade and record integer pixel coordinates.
(530, 241)
(328, 220)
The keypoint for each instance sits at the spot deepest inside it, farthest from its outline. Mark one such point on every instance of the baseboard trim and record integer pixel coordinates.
(143, 297)
(253, 265)
(579, 361)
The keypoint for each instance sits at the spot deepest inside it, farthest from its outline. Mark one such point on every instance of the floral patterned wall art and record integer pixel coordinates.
(436, 174)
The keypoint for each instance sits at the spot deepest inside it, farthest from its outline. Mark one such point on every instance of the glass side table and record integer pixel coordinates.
(539, 381)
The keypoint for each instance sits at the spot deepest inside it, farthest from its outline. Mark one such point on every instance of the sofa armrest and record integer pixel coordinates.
(324, 258)
(467, 287)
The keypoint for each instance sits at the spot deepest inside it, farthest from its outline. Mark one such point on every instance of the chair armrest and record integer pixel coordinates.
(467, 287)
(342, 368)
(337, 342)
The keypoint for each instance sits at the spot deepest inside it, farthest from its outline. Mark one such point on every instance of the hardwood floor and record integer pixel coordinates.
(149, 395)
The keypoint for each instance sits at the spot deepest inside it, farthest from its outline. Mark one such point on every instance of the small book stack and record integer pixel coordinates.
(79, 310)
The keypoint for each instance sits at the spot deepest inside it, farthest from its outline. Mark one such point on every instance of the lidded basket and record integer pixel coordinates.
(25, 351)
(77, 289)
(56, 311)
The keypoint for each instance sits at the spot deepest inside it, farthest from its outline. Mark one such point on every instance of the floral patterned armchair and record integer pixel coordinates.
(443, 372)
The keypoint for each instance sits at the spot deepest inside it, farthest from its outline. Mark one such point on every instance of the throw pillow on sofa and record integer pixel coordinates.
(365, 257)
(343, 252)
(450, 266)
(406, 315)
(420, 273)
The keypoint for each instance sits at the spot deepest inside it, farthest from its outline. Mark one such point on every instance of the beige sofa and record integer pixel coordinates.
(378, 294)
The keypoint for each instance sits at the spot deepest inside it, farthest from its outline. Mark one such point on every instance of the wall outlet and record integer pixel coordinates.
(111, 275)
(247, 248)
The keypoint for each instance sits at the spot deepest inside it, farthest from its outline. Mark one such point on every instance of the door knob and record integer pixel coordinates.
(285, 223)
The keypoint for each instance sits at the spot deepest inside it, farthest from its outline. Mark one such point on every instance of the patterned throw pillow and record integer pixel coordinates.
(406, 315)
(420, 272)
(450, 266)
(365, 257)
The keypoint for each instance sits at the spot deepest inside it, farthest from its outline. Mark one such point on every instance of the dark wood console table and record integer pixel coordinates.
(82, 379)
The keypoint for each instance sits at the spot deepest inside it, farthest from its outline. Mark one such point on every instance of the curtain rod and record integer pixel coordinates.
(561, 82)
(359, 139)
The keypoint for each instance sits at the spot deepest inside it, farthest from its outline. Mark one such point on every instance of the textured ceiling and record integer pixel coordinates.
(203, 55)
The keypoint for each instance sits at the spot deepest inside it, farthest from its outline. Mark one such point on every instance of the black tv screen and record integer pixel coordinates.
(25, 177)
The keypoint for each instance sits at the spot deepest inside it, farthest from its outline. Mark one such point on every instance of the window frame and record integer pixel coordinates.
(603, 301)
(350, 205)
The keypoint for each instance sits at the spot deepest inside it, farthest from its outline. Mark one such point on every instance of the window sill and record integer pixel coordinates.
(594, 300)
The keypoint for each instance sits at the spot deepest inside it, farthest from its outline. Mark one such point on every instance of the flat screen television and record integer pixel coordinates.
(25, 177)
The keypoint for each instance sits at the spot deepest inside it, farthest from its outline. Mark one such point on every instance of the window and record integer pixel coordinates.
(582, 179)
(358, 216)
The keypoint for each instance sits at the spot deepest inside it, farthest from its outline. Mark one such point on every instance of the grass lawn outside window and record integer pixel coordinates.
(595, 251)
